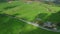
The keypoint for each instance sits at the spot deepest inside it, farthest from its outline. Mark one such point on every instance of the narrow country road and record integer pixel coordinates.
(34, 24)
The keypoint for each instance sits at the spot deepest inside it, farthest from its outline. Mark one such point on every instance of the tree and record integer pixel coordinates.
(3, 0)
(6, 0)
(57, 1)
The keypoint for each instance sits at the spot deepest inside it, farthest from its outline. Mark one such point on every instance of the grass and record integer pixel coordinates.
(10, 25)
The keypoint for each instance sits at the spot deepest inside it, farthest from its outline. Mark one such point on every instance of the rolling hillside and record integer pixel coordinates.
(10, 25)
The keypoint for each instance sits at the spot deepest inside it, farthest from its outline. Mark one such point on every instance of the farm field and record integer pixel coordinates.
(19, 9)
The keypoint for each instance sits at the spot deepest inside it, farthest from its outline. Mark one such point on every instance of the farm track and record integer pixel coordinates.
(32, 23)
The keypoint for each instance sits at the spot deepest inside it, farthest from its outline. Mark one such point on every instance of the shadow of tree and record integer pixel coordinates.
(10, 7)
(54, 17)
(15, 15)
(40, 17)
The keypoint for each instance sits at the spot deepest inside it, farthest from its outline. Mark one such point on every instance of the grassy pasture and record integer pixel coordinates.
(10, 25)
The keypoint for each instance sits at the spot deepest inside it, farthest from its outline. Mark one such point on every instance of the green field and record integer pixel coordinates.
(10, 25)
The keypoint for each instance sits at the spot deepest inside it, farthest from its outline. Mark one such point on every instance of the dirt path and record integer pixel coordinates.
(34, 24)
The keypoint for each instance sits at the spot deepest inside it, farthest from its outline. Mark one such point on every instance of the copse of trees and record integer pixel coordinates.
(57, 1)
(7, 0)
(3, 0)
